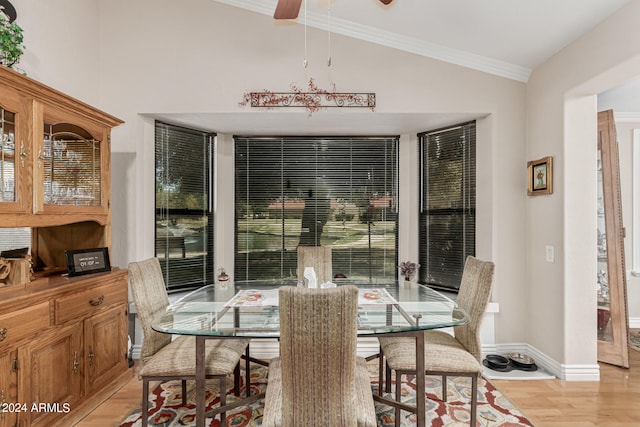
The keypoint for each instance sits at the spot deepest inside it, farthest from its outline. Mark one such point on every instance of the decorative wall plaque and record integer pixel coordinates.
(313, 99)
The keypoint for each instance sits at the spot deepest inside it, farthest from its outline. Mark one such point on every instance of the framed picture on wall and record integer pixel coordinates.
(540, 176)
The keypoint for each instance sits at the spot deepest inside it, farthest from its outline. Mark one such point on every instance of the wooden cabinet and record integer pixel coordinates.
(8, 388)
(52, 376)
(55, 169)
(57, 363)
(63, 340)
(105, 347)
(55, 154)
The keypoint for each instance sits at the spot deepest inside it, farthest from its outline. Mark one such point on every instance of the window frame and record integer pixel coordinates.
(467, 211)
(208, 265)
(391, 145)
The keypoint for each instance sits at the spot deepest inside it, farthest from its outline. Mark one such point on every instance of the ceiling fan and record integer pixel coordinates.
(289, 9)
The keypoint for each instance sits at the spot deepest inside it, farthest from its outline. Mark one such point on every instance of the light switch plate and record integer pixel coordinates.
(550, 255)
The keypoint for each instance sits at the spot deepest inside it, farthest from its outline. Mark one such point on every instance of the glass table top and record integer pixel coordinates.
(251, 311)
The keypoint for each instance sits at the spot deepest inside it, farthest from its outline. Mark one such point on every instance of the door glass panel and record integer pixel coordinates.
(71, 166)
(7, 156)
(604, 313)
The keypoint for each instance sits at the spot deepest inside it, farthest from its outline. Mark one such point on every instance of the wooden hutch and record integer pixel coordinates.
(63, 340)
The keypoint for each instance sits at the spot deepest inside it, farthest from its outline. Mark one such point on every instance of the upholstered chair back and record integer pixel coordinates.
(318, 257)
(151, 300)
(318, 340)
(473, 296)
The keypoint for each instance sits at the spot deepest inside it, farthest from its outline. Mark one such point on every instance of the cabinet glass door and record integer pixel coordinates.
(13, 161)
(72, 166)
(7, 156)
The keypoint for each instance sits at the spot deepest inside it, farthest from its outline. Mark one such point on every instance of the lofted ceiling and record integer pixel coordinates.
(508, 38)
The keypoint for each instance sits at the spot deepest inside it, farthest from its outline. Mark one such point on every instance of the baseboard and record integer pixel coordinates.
(561, 371)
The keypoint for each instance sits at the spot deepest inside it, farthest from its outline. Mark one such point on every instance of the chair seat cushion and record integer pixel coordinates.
(178, 358)
(442, 353)
(363, 395)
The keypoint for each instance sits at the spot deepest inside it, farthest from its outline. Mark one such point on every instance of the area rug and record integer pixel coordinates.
(634, 339)
(494, 409)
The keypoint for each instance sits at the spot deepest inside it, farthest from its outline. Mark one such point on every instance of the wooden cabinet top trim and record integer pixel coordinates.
(44, 93)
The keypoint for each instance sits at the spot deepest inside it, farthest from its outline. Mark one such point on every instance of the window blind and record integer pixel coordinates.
(448, 203)
(71, 166)
(316, 191)
(14, 238)
(184, 216)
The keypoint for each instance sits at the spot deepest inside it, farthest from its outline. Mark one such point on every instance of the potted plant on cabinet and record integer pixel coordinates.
(11, 37)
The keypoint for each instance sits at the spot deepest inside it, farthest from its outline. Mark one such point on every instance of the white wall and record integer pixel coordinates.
(561, 114)
(62, 45)
(143, 57)
(204, 61)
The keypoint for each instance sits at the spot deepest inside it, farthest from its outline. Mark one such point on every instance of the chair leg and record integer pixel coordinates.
(184, 392)
(223, 399)
(145, 402)
(387, 373)
(247, 373)
(380, 373)
(236, 379)
(444, 388)
(398, 397)
(474, 400)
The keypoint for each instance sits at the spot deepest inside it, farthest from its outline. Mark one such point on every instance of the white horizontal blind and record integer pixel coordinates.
(184, 216)
(71, 165)
(448, 204)
(14, 238)
(316, 191)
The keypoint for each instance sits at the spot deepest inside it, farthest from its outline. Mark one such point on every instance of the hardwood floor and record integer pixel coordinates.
(613, 401)
(113, 410)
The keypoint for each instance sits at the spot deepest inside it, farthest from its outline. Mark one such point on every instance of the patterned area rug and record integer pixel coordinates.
(494, 409)
(634, 339)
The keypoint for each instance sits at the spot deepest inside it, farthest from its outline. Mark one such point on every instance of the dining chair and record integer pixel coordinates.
(164, 358)
(318, 380)
(318, 257)
(457, 355)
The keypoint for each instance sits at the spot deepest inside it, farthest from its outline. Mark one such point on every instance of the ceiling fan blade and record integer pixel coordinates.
(287, 9)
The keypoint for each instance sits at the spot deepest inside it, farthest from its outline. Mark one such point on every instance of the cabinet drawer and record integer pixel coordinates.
(89, 301)
(24, 323)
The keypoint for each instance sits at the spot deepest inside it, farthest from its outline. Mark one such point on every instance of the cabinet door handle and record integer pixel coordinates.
(76, 362)
(40, 158)
(91, 356)
(23, 153)
(96, 302)
(3, 334)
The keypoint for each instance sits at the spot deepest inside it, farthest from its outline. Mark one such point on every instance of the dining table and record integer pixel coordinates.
(250, 310)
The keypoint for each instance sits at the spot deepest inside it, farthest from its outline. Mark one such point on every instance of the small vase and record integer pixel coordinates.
(408, 282)
(223, 279)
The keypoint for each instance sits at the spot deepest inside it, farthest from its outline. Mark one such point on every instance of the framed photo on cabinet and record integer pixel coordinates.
(540, 176)
(87, 261)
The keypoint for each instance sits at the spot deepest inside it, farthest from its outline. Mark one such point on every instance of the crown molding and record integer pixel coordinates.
(395, 41)
(624, 117)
